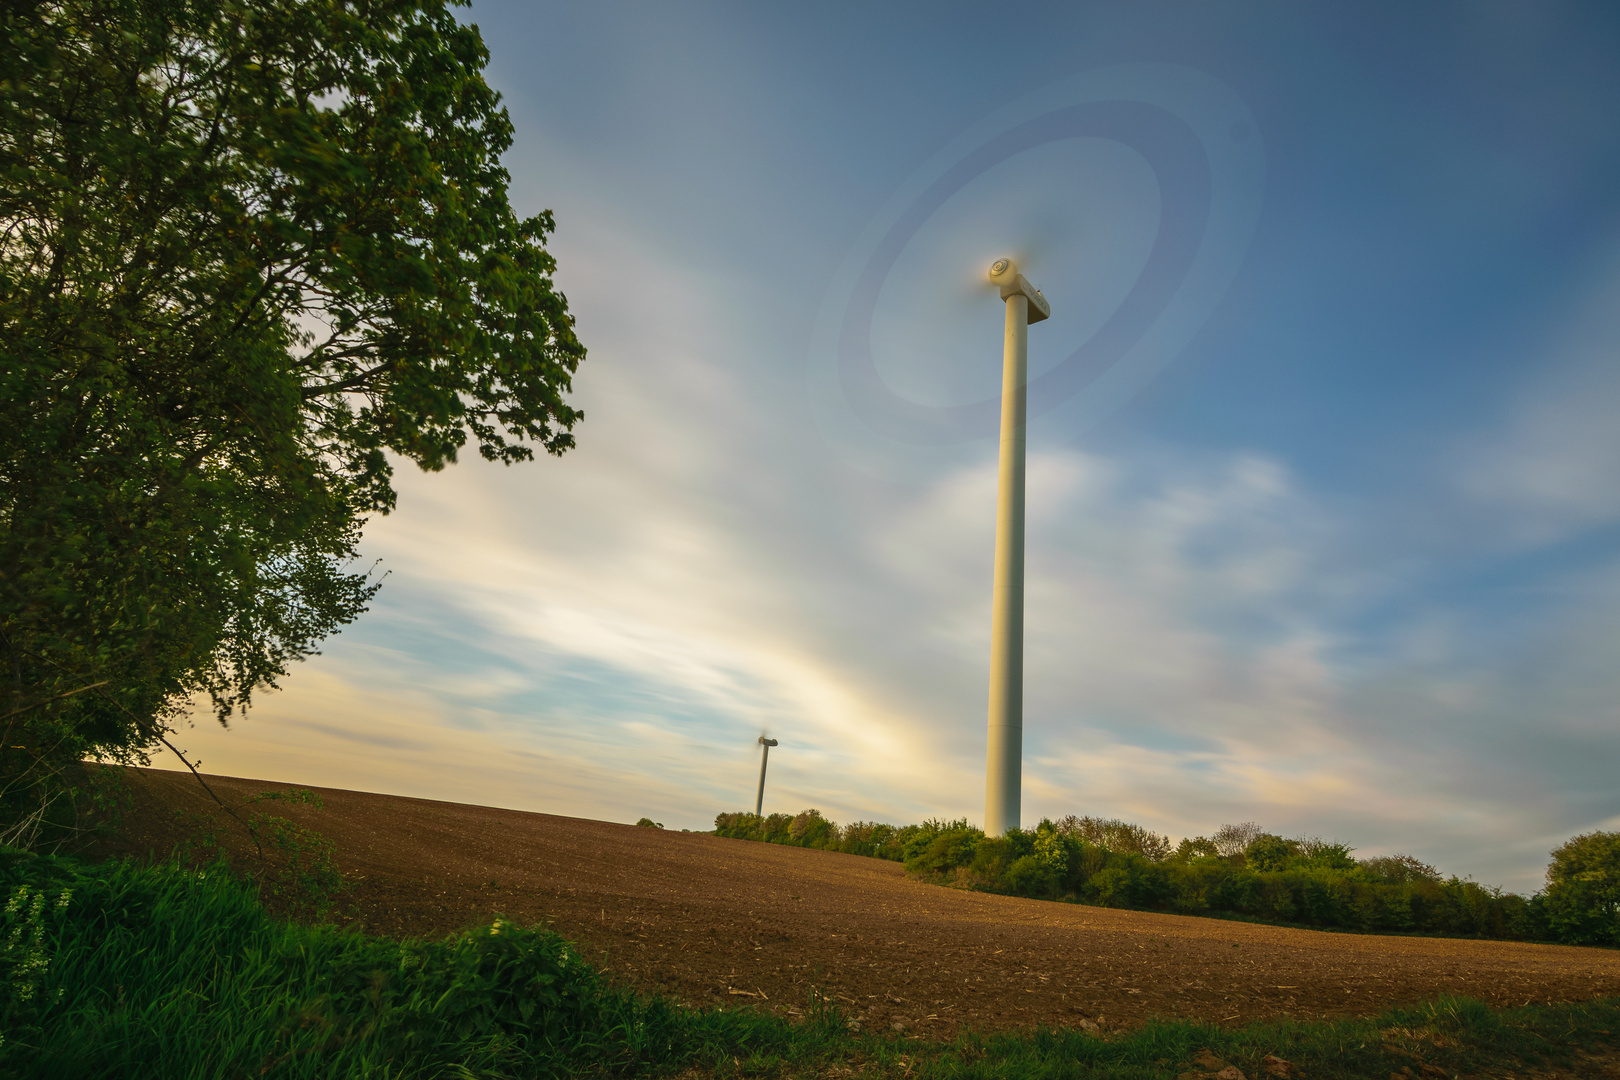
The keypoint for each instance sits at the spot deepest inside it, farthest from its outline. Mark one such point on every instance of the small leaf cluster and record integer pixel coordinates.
(26, 989)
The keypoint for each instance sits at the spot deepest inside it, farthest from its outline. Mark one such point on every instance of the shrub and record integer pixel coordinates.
(1110, 887)
(805, 829)
(1196, 847)
(872, 839)
(1324, 854)
(943, 851)
(1398, 869)
(1128, 880)
(1115, 835)
(1583, 890)
(991, 858)
(1232, 840)
(919, 837)
(810, 829)
(1051, 848)
(1030, 876)
(1268, 852)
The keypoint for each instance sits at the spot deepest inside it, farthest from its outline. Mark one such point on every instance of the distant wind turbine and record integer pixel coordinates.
(765, 757)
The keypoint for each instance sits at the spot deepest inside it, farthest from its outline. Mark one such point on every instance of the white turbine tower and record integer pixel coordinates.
(1004, 756)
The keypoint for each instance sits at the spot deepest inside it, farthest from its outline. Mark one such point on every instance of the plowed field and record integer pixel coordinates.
(714, 921)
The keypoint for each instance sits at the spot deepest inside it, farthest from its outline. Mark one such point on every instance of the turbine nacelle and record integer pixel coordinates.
(1004, 275)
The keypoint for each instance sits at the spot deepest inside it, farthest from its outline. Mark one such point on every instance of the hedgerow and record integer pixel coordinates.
(1241, 872)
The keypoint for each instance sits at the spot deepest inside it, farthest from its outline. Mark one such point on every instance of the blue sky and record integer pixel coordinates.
(1324, 500)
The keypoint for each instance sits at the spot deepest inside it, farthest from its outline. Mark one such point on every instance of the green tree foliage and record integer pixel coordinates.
(1398, 869)
(1116, 835)
(809, 829)
(1196, 847)
(251, 251)
(1583, 890)
(1267, 852)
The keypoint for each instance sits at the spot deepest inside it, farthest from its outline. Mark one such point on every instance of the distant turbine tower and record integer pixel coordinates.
(1004, 757)
(765, 756)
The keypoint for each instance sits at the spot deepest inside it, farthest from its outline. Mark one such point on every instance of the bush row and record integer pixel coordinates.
(809, 829)
(1241, 871)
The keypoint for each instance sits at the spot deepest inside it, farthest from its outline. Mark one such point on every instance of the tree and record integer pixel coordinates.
(1269, 852)
(1583, 890)
(249, 249)
(1115, 835)
(1196, 847)
(1233, 840)
(1399, 869)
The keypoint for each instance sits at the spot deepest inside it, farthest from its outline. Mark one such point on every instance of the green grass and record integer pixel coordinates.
(167, 972)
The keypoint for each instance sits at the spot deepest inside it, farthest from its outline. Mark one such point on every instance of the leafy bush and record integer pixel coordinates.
(1116, 835)
(1583, 890)
(1327, 854)
(871, 838)
(942, 851)
(810, 829)
(1267, 852)
(1398, 869)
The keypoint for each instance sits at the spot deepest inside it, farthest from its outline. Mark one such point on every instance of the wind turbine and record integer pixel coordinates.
(765, 756)
(1005, 751)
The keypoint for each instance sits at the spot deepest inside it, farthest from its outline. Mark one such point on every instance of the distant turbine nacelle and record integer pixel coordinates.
(1005, 276)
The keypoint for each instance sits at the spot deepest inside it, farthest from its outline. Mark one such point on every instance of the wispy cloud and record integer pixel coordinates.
(1551, 466)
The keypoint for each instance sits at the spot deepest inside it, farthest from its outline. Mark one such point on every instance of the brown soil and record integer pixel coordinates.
(713, 921)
